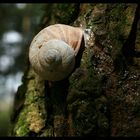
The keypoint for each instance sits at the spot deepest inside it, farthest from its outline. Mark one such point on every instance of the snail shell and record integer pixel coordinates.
(52, 51)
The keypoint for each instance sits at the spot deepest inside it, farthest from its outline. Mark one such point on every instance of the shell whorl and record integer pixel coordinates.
(55, 60)
(52, 51)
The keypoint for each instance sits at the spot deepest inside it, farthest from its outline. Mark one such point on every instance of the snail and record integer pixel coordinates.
(53, 50)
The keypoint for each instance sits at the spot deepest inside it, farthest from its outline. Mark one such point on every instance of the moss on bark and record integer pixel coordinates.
(100, 98)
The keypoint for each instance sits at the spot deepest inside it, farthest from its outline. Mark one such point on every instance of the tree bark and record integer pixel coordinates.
(101, 97)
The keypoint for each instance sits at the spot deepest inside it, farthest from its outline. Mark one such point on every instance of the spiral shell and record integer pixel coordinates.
(52, 51)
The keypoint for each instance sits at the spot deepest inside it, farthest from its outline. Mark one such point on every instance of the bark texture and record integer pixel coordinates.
(101, 97)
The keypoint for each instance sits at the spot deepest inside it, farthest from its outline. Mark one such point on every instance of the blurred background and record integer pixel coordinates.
(18, 22)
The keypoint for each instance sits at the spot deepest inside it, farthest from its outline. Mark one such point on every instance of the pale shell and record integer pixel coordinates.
(53, 50)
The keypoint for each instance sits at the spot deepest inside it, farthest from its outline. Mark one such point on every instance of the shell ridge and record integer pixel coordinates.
(52, 51)
(63, 35)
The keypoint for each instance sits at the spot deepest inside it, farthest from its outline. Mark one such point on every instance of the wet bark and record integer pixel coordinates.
(101, 96)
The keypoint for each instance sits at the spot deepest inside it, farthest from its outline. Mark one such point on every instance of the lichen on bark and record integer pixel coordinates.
(31, 117)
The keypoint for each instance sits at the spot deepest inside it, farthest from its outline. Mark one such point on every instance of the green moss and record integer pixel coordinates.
(32, 118)
(32, 97)
(22, 131)
(21, 128)
(35, 118)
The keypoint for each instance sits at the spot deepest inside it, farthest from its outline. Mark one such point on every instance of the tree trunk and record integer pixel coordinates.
(101, 97)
